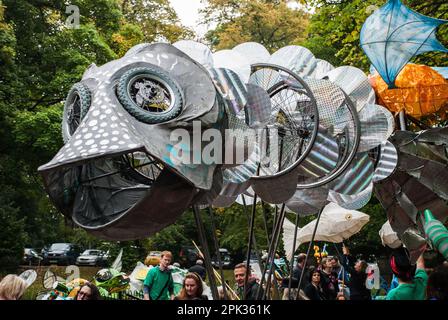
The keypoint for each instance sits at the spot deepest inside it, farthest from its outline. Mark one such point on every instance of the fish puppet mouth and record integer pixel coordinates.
(113, 177)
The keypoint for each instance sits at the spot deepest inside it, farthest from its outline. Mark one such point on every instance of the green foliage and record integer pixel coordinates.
(157, 19)
(40, 59)
(13, 237)
(334, 29)
(271, 23)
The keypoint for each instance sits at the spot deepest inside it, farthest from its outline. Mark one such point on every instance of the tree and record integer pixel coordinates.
(271, 23)
(13, 237)
(334, 30)
(157, 19)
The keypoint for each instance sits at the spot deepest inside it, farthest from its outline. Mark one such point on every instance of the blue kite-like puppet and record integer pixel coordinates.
(394, 34)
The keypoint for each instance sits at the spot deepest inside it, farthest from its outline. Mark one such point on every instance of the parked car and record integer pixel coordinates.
(153, 258)
(225, 259)
(31, 257)
(188, 256)
(62, 253)
(93, 257)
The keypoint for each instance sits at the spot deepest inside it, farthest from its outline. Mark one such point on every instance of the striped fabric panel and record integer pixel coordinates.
(387, 163)
(323, 157)
(296, 58)
(376, 126)
(354, 83)
(351, 202)
(258, 108)
(356, 178)
(231, 88)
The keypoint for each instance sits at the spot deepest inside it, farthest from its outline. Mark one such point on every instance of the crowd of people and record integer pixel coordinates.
(331, 279)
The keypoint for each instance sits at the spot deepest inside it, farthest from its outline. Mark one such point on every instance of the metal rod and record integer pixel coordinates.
(275, 239)
(208, 262)
(402, 117)
(272, 248)
(291, 265)
(249, 245)
(417, 122)
(116, 172)
(218, 253)
(308, 252)
(254, 239)
(217, 275)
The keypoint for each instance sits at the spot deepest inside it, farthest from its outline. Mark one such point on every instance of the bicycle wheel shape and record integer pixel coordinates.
(150, 95)
(76, 107)
(294, 122)
(338, 138)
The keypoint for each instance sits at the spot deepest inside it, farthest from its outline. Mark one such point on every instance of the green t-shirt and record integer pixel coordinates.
(412, 291)
(156, 280)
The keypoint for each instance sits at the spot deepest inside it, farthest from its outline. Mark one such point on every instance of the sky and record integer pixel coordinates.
(188, 12)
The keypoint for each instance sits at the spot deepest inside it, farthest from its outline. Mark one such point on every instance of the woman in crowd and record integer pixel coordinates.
(314, 290)
(192, 288)
(329, 279)
(88, 292)
(12, 287)
(358, 277)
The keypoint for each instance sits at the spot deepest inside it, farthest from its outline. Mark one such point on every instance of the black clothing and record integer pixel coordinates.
(357, 284)
(251, 291)
(296, 273)
(330, 285)
(199, 269)
(314, 293)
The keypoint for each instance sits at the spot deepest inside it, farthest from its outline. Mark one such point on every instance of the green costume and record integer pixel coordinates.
(412, 291)
(159, 283)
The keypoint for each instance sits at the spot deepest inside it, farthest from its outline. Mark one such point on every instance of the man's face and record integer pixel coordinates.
(358, 266)
(165, 261)
(240, 275)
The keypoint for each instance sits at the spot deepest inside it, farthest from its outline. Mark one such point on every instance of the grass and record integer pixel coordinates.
(37, 287)
(84, 272)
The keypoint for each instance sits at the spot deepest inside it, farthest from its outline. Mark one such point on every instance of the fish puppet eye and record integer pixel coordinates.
(76, 107)
(150, 95)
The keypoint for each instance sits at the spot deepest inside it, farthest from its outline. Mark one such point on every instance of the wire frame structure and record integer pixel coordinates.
(294, 121)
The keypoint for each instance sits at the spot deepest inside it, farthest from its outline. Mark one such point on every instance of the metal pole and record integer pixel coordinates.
(402, 117)
(218, 254)
(249, 245)
(308, 252)
(281, 218)
(254, 239)
(208, 262)
(291, 266)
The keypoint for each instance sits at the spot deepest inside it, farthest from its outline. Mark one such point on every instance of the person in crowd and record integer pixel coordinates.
(192, 288)
(12, 287)
(158, 284)
(412, 279)
(437, 287)
(88, 291)
(341, 296)
(299, 269)
(329, 279)
(358, 276)
(250, 292)
(314, 290)
(343, 275)
(199, 269)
